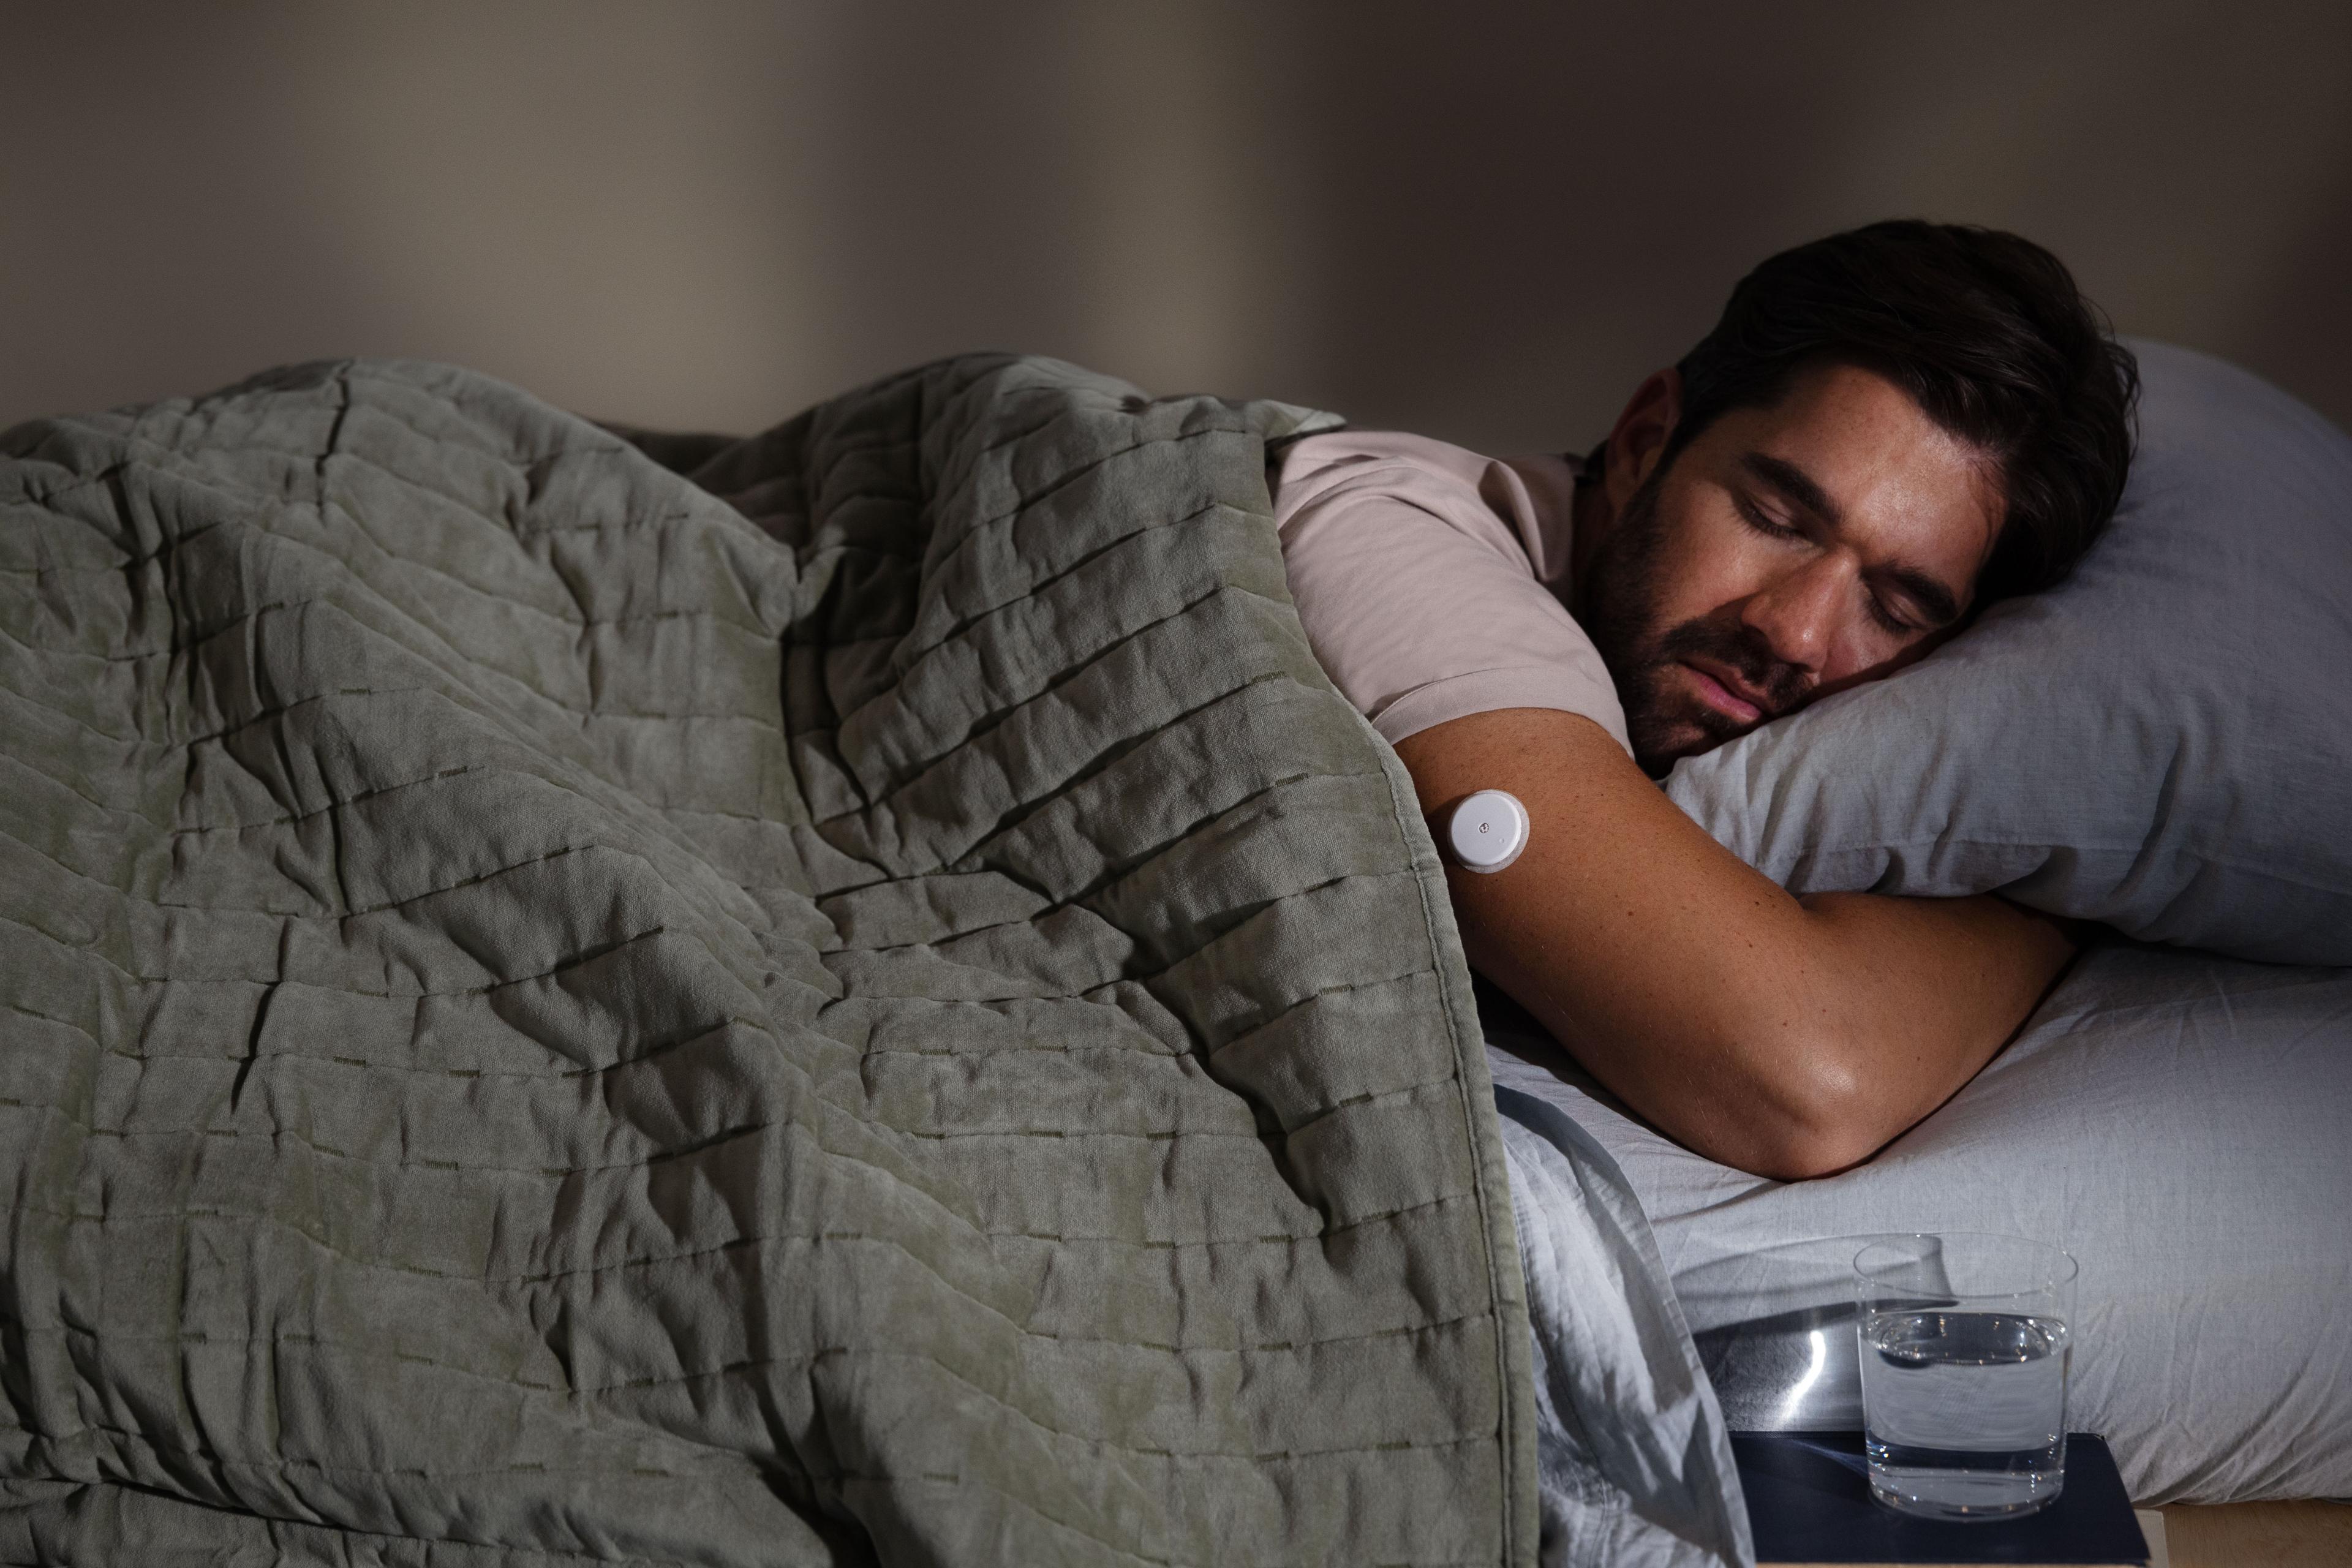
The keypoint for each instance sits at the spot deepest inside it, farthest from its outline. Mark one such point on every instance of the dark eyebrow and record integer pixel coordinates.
(1938, 603)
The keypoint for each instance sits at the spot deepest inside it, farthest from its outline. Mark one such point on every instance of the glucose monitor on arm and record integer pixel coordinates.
(1486, 831)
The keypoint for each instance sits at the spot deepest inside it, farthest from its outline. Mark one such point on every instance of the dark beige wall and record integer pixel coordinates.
(1480, 221)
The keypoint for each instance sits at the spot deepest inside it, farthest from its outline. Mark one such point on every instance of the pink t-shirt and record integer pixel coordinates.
(1430, 580)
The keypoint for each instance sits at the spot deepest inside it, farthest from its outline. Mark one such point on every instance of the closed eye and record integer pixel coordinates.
(1889, 619)
(1755, 517)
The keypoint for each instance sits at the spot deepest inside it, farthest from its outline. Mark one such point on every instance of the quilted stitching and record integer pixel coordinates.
(549, 1021)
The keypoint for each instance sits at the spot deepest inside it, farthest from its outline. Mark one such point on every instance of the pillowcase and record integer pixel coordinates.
(2163, 742)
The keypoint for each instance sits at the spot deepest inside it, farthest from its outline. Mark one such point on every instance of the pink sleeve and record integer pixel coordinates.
(1422, 607)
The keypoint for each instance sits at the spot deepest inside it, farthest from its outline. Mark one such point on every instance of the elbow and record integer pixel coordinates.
(1805, 1153)
(1812, 1119)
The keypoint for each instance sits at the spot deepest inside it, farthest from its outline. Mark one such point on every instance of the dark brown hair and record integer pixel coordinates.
(1991, 337)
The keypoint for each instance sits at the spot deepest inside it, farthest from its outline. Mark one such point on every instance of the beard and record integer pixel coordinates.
(1620, 595)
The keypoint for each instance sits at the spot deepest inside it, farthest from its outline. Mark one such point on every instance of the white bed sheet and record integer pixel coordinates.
(2182, 1124)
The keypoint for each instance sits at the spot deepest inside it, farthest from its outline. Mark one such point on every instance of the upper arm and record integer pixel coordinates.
(1773, 1034)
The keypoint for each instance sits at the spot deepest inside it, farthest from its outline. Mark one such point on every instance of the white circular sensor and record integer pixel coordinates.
(1486, 831)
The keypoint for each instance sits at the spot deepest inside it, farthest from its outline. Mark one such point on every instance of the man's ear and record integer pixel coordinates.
(1639, 437)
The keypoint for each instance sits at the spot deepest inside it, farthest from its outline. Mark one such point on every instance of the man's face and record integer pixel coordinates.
(1786, 553)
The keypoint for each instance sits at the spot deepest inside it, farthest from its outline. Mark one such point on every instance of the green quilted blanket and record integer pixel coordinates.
(866, 1002)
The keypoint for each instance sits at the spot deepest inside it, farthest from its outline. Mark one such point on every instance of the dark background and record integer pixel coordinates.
(1480, 221)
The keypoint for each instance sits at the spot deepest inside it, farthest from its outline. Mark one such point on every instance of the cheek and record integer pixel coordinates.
(1862, 650)
(1708, 560)
(1851, 658)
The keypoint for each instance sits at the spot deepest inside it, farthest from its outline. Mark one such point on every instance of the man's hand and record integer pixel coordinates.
(1790, 1037)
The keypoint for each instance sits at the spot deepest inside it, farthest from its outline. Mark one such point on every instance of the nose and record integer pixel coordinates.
(1796, 613)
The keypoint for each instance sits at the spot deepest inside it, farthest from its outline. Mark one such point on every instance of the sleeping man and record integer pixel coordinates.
(1887, 430)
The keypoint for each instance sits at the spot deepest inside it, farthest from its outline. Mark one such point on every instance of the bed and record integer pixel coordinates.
(855, 995)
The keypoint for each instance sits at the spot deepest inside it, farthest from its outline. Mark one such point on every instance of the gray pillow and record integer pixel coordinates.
(2162, 743)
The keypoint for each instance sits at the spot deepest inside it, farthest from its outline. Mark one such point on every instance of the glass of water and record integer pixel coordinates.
(1965, 1340)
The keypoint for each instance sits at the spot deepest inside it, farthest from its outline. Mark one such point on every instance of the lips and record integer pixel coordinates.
(1726, 692)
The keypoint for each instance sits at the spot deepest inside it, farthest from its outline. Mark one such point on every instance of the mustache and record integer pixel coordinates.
(1780, 685)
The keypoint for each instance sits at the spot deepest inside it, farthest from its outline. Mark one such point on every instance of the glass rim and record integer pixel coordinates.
(2061, 1267)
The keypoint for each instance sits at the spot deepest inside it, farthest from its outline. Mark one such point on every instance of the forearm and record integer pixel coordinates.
(1827, 1028)
(1913, 997)
(1953, 978)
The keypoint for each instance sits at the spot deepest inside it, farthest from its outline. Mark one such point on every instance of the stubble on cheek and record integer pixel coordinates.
(1663, 721)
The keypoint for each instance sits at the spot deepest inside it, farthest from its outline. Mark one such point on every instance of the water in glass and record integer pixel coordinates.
(1965, 1410)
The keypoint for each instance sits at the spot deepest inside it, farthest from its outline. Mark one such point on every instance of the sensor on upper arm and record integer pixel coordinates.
(1485, 832)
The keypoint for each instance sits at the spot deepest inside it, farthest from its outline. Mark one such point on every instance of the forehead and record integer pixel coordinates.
(1906, 491)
